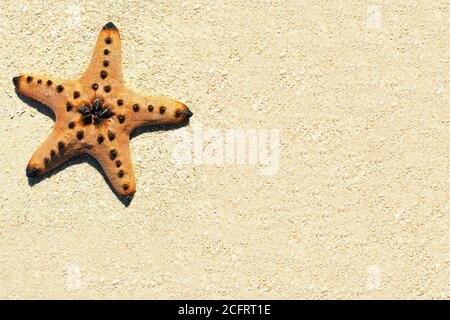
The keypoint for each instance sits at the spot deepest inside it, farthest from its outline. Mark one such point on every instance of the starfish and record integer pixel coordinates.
(96, 114)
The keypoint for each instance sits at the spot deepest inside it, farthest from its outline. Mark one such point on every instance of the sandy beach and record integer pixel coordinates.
(315, 166)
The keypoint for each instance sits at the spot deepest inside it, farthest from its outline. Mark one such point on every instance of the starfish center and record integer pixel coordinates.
(96, 112)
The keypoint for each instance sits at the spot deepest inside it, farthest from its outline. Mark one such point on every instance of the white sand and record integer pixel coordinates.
(359, 93)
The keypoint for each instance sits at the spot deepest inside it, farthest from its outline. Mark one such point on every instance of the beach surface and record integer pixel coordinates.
(315, 165)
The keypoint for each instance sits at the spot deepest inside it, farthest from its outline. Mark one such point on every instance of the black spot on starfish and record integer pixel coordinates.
(109, 26)
(112, 154)
(111, 136)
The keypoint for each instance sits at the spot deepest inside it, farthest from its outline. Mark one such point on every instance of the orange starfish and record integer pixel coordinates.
(96, 114)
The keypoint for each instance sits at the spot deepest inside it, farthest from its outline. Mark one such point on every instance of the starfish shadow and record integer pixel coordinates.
(85, 158)
(156, 128)
(42, 108)
(82, 158)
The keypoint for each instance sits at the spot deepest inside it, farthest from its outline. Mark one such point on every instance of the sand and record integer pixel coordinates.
(350, 202)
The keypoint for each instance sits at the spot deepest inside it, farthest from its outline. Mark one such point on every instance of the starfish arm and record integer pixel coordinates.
(106, 61)
(51, 91)
(141, 110)
(56, 149)
(115, 159)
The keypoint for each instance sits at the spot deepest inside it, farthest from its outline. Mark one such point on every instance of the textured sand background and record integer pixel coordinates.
(359, 93)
